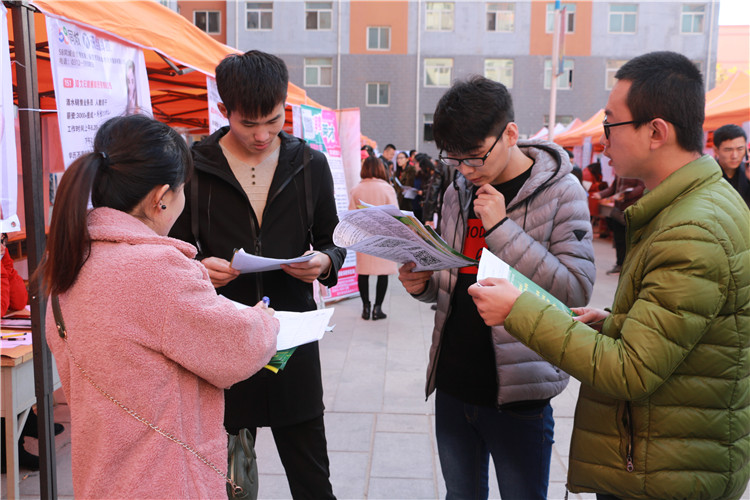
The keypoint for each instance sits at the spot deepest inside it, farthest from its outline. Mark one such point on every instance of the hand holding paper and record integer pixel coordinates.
(494, 299)
(309, 270)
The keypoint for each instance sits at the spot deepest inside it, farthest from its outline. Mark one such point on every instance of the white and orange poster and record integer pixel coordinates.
(95, 78)
(320, 130)
(8, 166)
(215, 119)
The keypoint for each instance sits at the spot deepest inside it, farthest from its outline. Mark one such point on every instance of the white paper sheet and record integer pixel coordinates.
(297, 328)
(248, 263)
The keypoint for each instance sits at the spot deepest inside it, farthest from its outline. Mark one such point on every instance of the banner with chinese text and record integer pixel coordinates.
(8, 162)
(95, 78)
(319, 129)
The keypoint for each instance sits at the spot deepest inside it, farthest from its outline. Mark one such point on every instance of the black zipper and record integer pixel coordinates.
(629, 429)
(460, 220)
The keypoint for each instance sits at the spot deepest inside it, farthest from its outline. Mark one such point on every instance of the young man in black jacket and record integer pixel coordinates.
(258, 188)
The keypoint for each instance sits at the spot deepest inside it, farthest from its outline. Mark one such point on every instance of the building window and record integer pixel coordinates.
(378, 94)
(564, 80)
(378, 38)
(439, 16)
(318, 15)
(612, 66)
(437, 72)
(501, 17)
(499, 70)
(259, 15)
(561, 119)
(692, 18)
(318, 71)
(570, 18)
(623, 17)
(427, 128)
(208, 20)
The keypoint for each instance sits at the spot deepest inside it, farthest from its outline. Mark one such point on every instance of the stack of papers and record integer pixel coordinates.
(388, 233)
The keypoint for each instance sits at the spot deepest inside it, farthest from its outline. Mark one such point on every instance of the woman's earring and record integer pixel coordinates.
(163, 207)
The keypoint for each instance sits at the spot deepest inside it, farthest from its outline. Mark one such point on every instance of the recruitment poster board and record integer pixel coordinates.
(95, 78)
(8, 162)
(216, 120)
(320, 130)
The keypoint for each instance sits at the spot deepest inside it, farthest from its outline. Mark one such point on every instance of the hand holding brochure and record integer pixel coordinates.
(491, 266)
(388, 233)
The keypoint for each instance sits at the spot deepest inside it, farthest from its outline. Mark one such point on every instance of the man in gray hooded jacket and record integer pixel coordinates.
(519, 201)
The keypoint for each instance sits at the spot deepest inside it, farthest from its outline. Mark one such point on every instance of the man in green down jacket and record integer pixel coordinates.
(664, 407)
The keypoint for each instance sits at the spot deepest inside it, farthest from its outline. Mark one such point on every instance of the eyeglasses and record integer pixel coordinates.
(607, 126)
(470, 162)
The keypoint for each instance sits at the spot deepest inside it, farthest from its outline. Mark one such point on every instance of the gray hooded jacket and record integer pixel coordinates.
(548, 238)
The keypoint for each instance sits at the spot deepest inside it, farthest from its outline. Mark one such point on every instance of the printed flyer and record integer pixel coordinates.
(320, 130)
(95, 78)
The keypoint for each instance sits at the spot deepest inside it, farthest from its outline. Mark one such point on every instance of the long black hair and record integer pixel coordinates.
(132, 155)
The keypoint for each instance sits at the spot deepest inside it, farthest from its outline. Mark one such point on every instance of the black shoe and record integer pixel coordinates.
(31, 428)
(25, 460)
(366, 310)
(377, 313)
(615, 270)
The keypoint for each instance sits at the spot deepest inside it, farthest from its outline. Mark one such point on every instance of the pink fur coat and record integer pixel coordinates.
(145, 322)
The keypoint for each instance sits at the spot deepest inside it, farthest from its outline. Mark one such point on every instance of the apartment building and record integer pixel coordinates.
(393, 59)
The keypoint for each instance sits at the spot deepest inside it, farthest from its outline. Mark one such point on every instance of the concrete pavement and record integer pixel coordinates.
(380, 429)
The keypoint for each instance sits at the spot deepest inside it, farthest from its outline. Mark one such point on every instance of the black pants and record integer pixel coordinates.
(363, 282)
(304, 454)
(618, 235)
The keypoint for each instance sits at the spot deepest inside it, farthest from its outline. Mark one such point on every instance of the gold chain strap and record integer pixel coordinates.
(235, 487)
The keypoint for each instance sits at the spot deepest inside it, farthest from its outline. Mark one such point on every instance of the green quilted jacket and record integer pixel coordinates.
(664, 406)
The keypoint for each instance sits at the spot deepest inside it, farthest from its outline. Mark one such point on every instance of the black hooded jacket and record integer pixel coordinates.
(226, 221)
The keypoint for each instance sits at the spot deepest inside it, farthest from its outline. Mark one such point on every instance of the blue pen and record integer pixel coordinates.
(266, 301)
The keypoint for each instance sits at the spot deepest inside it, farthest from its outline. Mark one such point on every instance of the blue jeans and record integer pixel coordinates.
(520, 443)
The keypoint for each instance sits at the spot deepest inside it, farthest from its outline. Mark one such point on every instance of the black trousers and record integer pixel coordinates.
(618, 235)
(363, 282)
(304, 454)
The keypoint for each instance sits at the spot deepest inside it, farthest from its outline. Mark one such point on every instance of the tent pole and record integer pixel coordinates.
(33, 192)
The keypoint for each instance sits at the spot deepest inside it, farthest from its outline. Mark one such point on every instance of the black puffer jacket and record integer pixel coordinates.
(226, 221)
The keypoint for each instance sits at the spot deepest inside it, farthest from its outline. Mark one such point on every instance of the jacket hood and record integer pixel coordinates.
(108, 224)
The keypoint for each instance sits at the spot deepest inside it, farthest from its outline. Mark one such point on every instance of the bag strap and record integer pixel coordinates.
(306, 156)
(63, 332)
(194, 226)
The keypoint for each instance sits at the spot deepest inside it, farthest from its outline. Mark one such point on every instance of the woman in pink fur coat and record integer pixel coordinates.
(144, 321)
(375, 190)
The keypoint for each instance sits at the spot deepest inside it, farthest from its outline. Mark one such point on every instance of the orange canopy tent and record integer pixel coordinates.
(178, 55)
(728, 102)
(590, 128)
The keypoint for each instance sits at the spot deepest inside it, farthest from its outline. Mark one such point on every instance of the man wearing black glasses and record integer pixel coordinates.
(664, 406)
(519, 201)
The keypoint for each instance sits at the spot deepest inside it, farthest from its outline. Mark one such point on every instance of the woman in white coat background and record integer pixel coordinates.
(374, 189)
